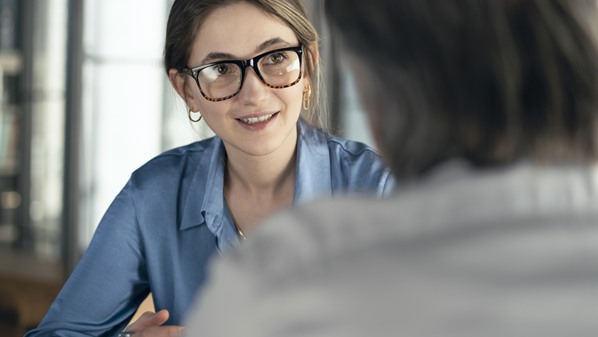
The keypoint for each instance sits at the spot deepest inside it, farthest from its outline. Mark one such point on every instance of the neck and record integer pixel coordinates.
(261, 175)
(256, 186)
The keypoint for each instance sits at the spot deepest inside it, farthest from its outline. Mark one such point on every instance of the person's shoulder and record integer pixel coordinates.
(357, 166)
(339, 144)
(188, 150)
(351, 148)
(175, 162)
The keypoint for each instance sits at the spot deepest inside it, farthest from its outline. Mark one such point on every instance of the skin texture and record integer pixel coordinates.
(239, 30)
(149, 325)
(260, 161)
(260, 177)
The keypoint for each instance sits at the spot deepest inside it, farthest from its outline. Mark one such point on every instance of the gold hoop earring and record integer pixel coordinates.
(306, 97)
(189, 112)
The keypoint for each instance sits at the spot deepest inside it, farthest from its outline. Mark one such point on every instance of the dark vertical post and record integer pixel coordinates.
(74, 81)
(26, 97)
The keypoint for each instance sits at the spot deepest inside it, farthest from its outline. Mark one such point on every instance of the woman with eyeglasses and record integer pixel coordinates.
(249, 70)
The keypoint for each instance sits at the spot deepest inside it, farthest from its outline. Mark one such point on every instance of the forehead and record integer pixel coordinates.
(238, 29)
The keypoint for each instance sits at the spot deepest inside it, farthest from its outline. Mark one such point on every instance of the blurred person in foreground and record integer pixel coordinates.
(487, 113)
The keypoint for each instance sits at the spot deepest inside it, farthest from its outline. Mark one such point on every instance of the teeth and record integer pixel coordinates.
(253, 120)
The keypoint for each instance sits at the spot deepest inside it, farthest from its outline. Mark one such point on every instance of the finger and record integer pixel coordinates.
(148, 320)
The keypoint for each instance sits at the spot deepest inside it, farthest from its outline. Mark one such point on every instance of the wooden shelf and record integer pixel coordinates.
(25, 267)
(28, 286)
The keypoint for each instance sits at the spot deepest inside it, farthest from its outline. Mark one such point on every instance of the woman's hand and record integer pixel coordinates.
(150, 325)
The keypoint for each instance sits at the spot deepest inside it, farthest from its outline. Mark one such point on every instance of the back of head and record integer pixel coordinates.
(490, 81)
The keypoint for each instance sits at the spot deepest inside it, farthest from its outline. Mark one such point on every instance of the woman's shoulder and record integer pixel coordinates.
(351, 147)
(190, 150)
(354, 166)
(337, 144)
(177, 162)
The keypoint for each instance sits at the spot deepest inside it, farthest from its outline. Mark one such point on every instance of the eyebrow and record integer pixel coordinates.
(263, 46)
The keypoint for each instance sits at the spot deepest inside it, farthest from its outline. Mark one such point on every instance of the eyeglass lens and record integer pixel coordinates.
(277, 69)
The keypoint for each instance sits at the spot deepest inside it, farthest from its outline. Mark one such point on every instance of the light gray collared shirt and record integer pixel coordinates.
(464, 252)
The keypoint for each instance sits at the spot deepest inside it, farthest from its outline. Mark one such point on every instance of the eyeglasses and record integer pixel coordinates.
(219, 81)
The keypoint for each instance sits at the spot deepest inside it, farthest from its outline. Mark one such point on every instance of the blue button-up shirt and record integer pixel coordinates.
(171, 217)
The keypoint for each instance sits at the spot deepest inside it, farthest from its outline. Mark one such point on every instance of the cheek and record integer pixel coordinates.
(212, 110)
(293, 96)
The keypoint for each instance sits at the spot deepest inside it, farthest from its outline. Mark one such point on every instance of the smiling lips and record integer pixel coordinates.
(255, 120)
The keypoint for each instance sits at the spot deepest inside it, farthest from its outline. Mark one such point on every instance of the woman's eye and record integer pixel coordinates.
(276, 58)
(221, 69)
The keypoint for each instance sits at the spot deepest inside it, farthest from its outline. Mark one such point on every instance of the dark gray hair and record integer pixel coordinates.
(490, 81)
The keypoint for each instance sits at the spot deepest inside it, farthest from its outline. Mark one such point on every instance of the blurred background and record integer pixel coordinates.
(84, 102)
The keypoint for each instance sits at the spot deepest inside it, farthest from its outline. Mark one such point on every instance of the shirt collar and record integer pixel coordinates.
(205, 201)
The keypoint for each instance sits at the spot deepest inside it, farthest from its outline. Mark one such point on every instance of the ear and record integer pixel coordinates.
(312, 59)
(178, 80)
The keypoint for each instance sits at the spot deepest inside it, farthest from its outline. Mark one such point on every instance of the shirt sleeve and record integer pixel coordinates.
(109, 282)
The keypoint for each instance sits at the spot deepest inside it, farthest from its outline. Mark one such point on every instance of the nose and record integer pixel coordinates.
(252, 88)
